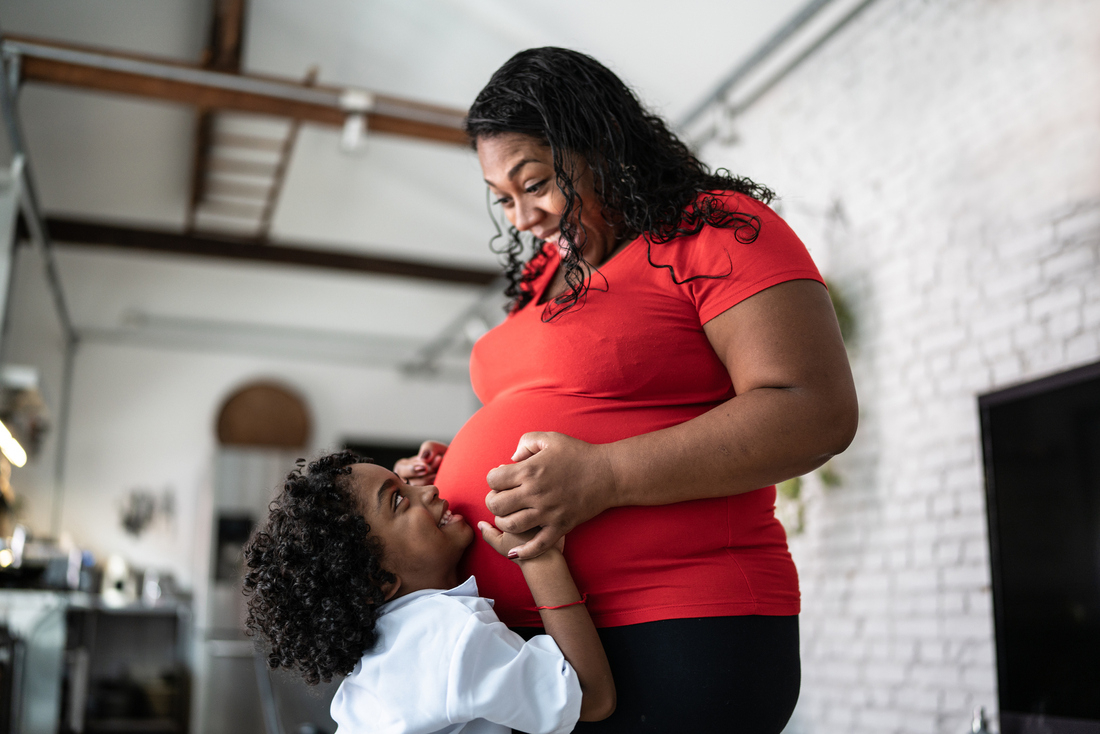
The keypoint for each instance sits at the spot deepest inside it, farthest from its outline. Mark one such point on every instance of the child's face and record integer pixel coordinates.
(422, 540)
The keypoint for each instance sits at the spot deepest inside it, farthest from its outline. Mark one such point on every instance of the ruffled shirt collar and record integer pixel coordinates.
(466, 588)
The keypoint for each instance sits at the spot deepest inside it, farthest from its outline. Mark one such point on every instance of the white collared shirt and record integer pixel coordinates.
(445, 663)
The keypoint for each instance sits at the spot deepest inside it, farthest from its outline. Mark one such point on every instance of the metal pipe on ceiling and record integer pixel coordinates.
(427, 359)
(32, 214)
(745, 69)
(58, 63)
(31, 210)
(757, 57)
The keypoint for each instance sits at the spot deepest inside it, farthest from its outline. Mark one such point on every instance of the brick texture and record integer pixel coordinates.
(939, 158)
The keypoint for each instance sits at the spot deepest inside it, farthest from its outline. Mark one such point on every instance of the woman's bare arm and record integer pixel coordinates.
(795, 408)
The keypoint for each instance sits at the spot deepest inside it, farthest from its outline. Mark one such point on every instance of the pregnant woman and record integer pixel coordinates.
(670, 354)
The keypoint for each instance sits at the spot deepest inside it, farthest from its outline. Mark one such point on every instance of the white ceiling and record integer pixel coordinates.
(114, 158)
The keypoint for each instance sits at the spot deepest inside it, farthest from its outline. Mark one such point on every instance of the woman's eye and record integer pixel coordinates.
(502, 201)
(397, 497)
(534, 188)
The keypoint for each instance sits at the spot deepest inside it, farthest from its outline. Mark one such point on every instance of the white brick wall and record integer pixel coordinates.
(941, 158)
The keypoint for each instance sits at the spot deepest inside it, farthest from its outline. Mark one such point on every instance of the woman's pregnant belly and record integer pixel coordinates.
(701, 558)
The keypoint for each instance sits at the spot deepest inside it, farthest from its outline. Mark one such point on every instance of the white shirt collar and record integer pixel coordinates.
(466, 588)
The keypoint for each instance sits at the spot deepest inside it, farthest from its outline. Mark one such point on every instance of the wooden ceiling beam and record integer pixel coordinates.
(97, 234)
(222, 53)
(51, 62)
(267, 216)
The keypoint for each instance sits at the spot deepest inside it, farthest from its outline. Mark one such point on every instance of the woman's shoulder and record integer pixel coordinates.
(736, 220)
(723, 222)
(735, 203)
(740, 242)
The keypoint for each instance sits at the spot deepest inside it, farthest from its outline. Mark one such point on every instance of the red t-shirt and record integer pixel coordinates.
(633, 359)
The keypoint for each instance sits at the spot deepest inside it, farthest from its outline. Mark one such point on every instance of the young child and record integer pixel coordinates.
(354, 574)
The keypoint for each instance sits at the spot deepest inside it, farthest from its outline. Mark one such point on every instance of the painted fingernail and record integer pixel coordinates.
(419, 469)
(425, 454)
(513, 553)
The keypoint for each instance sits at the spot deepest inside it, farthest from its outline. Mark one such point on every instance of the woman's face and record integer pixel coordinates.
(520, 172)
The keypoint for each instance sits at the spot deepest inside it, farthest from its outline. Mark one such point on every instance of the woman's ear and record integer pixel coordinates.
(390, 589)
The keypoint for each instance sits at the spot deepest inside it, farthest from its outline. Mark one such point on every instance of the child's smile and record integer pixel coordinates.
(422, 539)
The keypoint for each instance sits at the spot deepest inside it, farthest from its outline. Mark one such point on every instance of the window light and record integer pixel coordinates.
(11, 448)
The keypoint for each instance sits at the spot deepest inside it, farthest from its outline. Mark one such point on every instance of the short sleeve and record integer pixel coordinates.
(495, 675)
(720, 267)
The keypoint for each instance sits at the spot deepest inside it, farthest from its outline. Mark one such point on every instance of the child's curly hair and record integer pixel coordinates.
(315, 578)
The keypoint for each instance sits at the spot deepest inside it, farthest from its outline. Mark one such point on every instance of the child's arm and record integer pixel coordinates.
(552, 585)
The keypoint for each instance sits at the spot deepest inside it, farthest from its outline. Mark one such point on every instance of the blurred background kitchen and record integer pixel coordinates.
(237, 232)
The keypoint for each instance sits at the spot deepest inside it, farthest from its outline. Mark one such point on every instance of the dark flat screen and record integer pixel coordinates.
(1041, 447)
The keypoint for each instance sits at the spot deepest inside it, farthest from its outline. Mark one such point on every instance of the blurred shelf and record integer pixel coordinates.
(132, 726)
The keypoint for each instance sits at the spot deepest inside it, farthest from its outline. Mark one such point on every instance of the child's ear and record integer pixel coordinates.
(390, 589)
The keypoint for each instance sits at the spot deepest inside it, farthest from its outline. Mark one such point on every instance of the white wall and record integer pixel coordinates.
(145, 418)
(940, 160)
(34, 337)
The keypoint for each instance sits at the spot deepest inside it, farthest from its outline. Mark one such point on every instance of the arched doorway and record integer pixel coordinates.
(262, 428)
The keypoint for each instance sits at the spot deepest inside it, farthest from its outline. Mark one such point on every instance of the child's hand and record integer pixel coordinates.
(420, 470)
(503, 543)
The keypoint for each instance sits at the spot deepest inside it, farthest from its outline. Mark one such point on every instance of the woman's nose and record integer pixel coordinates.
(527, 216)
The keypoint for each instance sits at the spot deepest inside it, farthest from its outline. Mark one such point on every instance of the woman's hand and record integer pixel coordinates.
(505, 543)
(420, 470)
(557, 483)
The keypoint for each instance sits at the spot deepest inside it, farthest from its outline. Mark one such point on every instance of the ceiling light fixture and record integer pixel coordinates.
(357, 103)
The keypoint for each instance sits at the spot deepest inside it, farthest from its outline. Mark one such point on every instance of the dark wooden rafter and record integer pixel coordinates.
(223, 50)
(98, 234)
(279, 177)
(200, 162)
(222, 53)
(51, 62)
(83, 67)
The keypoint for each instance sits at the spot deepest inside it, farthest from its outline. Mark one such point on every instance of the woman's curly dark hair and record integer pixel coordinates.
(314, 578)
(647, 180)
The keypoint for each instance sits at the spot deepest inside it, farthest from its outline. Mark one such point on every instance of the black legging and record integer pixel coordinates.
(712, 675)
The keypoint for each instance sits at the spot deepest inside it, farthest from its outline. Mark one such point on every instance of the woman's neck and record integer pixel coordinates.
(557, 284)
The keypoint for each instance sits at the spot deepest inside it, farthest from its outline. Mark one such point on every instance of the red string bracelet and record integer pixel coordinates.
(582, 600)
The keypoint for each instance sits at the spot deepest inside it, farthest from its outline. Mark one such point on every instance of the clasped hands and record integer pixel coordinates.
(556, 483)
